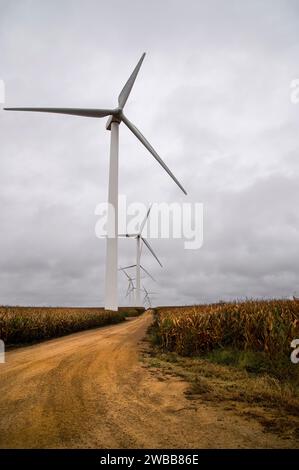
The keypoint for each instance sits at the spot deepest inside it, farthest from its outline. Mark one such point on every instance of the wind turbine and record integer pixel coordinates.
(116, 116)
(139, 239)
(147, 296)
(131, 286)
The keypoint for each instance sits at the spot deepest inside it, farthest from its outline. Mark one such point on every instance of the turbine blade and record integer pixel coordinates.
(127, 267)
(151, 250)
(147, 145)
(96, 113)
(145, 219)
(128, 291)
(146, 272)
(125, 273)
(143, 269)
(124, 94)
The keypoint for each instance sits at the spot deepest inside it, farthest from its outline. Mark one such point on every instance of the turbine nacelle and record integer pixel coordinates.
(116, 116)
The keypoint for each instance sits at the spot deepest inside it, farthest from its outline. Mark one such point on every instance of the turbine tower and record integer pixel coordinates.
(139, 240)
(116, 116)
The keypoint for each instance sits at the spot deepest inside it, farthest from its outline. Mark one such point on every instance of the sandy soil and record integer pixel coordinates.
(91, 390)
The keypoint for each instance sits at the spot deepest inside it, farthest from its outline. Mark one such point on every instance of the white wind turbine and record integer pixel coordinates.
(116, 116)
(131, 287)
(139, 239)
(147, 297)
(140, 277)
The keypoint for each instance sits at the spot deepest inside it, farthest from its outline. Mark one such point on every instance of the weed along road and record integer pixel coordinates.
(92, 389)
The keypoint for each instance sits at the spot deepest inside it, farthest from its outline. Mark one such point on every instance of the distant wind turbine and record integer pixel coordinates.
(131, 287)
(147, 296)
(139, 239)
(116, 116)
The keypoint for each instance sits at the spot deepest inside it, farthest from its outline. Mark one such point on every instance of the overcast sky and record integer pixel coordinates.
(212, 96)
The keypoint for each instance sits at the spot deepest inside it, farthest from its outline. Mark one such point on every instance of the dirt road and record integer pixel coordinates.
(90, 390)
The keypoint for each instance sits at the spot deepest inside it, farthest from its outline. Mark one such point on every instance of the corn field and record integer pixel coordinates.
(27, 324)
(267, 326)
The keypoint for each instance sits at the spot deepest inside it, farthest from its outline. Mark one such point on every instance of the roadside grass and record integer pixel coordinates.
(260, 396)
(24, 325)
(253, 383)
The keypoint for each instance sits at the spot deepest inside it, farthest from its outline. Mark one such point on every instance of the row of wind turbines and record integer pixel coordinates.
(132, 289)
(115, 117)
